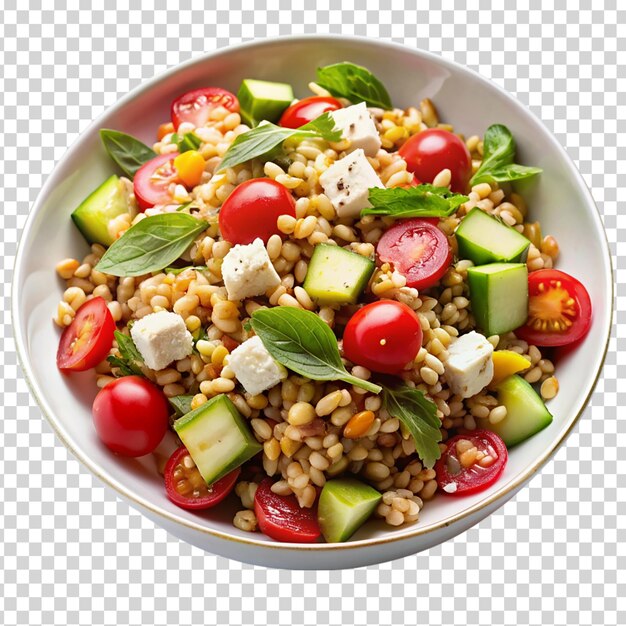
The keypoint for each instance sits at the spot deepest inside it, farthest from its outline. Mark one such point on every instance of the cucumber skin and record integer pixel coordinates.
(317, 263)
(253, 446)
(522, 403)
(330, 497)
(92, 221)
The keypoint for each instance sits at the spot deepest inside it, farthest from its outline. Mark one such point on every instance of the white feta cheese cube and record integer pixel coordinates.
(347, 181)
(254, 367)
(248, 271)
(161, 338)
(358, 126)
(469, 368)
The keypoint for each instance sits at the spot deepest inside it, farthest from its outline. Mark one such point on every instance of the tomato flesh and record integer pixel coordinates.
(252, 210)
(186, 488)
(131, 416)
(461, 473)
(559, 309)
(436, 149)
(282, 519)
(383, 336)
(152, 181)
(195, 106)
(418, 250)
(88, 339)
(307, 109)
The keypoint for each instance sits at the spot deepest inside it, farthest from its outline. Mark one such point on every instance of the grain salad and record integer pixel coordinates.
(338, 308)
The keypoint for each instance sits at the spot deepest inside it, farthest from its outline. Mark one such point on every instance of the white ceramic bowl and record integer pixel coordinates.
(559, 199)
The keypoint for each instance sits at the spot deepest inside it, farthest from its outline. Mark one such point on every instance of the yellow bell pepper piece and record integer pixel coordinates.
(190, 166)
(506, 363)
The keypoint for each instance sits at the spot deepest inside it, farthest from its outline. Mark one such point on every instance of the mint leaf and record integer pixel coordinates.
(129, 153)
(420, 201)
(267, 137)
(303, 343)
(498, 154)
(354, 82)
(419, 416)
(151, 244)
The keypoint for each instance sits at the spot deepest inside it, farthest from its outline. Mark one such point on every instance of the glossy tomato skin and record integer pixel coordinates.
(212, 496)
(88, 339)
(417, 249)
(548, 293)
(131, 415)
(435, 149)
(153, 179)
(307, 109)
(383, 336)
(474, 478)
(252, 209)
(195, 106)
(282, 519)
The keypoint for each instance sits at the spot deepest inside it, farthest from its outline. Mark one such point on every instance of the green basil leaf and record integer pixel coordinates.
(508, 173)
(419, 416)
(181, 405)
(303, 343)
(178, 270)
(189, 141)
(129, 153)
(267, 137)
(498, 154)
(356, 83)
(129, 360)
(151, 244)
(419, 201)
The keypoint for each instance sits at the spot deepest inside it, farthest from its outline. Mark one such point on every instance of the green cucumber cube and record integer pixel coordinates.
(263, 100)
(526, 414)
(336, 275)
(484, 239)
(345, 505)
(217, 438)
(95, 212)
(499, 296)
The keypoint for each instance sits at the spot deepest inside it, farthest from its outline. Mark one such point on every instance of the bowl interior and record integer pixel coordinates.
(558, 199)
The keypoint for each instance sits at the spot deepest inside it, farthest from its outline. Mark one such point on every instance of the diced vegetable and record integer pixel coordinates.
(190, 166)
(263, 100)
(217, 438)
(336, 275)
(95, 212)
(499, 295)
(484, 239)
(505, 364)
(345, 505)
(526, 414)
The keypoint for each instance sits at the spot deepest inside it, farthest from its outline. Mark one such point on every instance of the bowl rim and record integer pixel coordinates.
(499, 496)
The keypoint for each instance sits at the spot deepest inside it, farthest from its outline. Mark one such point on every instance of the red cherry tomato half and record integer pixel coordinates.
(307, 109)
(153, 179)
(88, 339)
(435, 149)
(186, 488)
(195, 106)
(282, 519)
(417, 249)
(559, 309)
(131, 416)
(252, 209)
(383, 336)
(456, 477)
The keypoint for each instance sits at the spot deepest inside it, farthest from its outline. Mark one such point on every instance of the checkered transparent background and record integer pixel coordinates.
(71, 553)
